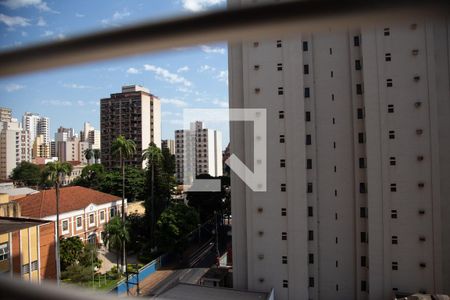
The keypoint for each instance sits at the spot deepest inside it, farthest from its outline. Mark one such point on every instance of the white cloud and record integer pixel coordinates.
(170, 114)
(14, 21)
(57, 102)
(41, 22)
(205, 68)
(77, 86)
(183, 69)
(80, 102)
(133, 71)
(47, 33)
(117, 16)
(39, 4)
(166, 75)
(223, 104)
(199, 5)
(12, 87)
(78, 15)
(212, 50)
(60, 36)
(223, 76)
(176, 102)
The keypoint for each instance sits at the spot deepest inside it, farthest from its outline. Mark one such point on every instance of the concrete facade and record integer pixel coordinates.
(358, 153)
(14, 147)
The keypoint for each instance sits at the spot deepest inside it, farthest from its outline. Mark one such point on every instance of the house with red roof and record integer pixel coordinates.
(83, 212)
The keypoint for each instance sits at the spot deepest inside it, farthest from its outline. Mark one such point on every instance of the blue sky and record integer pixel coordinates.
(194, 77)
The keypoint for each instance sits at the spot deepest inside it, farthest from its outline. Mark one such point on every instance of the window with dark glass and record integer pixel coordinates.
(281, 114)
(307, 93)
(305, 46)
(310, 211)
(309, 188)
(357, 65)
(310, 235)
(307, 116)
(309, 163)
(356, 41)
(308, 139)
(305, 69)
(359, 90)
(360, 113)
(282, 163)
(311, 258)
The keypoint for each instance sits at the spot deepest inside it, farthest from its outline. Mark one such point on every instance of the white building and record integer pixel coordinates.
(36, 125)
(91, 135)
(14, 147)
(357, 205)
(197, 151)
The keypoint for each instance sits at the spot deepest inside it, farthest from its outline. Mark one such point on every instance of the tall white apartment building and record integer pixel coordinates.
(36, 125)
(198, 151)
(91, 135)
(358, 159)
(14, 146)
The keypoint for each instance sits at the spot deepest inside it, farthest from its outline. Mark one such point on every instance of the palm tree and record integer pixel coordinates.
(54, 171)
(96, 155)
(115, 236)
(153, 156)
(123, 148)
(88, 153)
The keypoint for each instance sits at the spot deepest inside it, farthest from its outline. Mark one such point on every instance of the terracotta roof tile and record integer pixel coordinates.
(43, 204)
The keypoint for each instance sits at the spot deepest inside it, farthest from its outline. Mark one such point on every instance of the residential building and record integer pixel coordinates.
(358, 160)
(36, 125)
(5, 114)
(40, 147)
(91, 135)
(134, 113)
(14, 147)
(83, 211)
(198, 151)
(53, 149)
(12, 192)
(77, 169)
(168, 144)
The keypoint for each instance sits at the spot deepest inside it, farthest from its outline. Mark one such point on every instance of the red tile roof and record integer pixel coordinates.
(72, 198)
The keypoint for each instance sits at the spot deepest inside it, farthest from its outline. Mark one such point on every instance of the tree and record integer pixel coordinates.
(26, 173)
(96, 155)
(91, 177)
(116, 235)
(89, 256)
(71, 249)
(88, 153)
(123, 148)
(136, 228)
(168, 161)
(54, 171)
(174, 226)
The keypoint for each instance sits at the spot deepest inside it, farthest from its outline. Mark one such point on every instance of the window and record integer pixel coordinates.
(334, 145)
(363, 261)
(360, 113)
(307, 93)
(357, 65)
(4, 251)
(394, 214)
(256, 67)
(390, 108)
(279, 67)
(387, 57)
(307, 116)
(91, 220)
(279, 44)
(285, 283)
(65, 226)
(255, 44)
(280, 91)
(282, 163)
(392, 161)
(309, 188)
(332, 97)
(282, 138)
(284, 236)
(34, 265)
(356, 41)
(363, 212)
(283, 212)
(311, 258)
(257, 90)
(394, 240)
(331, 51)
(311, 282)
(26, 269)
(305, 69)
(359, 90)
(391, 134)
(363, 285)
(389, 83)
(308, 139)
(283, 187)
(362, 163)
(284, 260)
(386, 32)
(362, 188)
(363, 237)
(335, 193)
(102, 216)
(393, 187)
(305, 46)
(281, 114)
(79, 222)
(310, 211)
(309, 163)
(113, 212)
(310, 235)
(394, 265)
(334, 121)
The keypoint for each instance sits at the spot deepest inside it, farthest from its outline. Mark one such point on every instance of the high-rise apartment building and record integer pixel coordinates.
(36, 125)
(14, 147)
(91, 135)
(5, 114)
(40, 148)
(134, 113)
(358, 159)
(198, 151)
(169, 144)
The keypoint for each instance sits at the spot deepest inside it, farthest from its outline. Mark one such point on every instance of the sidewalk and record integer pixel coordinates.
(109, 259)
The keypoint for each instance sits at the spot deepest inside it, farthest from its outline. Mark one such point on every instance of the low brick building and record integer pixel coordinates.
(83, 212)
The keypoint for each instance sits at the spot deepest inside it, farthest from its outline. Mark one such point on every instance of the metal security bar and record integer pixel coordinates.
(233, 24)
